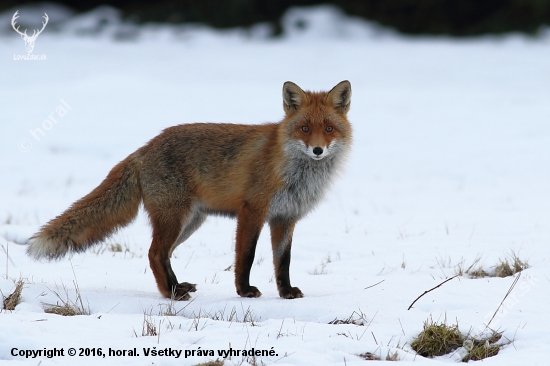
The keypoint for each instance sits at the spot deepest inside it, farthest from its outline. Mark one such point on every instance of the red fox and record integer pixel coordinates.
(274, 173)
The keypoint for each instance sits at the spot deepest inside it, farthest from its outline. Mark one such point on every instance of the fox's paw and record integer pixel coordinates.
(189, 287)
(250, 291)
(182, 290)
(291, 293)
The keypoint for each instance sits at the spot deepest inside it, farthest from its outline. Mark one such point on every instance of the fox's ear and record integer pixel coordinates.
(293, 97)
(340, 97)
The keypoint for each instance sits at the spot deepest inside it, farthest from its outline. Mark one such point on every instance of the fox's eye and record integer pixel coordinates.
(305, 129)
(329, 128)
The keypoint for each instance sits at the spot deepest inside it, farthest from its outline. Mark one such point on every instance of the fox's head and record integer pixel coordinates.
(316, 122)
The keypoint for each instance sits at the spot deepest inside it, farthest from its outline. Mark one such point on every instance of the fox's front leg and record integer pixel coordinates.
(249, 226)
(281, 243)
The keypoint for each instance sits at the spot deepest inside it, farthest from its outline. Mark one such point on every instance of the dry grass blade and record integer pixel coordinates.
(504, 299)
(13, 299)
(392, 356)
(65, 306)
(148, 328)
(373, 285)
(169, 309)
(248, 315)
(321, 270)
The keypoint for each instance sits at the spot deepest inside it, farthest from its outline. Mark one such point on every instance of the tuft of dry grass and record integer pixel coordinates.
(65, 306)
(390, 356)
(437, 339)
(64, 309)
(168, 309)
(369, 356)
(252, 361)
(483, 347)
(13, 299)
(356, 318)
(440, 339)
(211, 363)
(148, 329)
(481, 352)
(473, 271)
(478, 273)
(506, 267)
(510, 266)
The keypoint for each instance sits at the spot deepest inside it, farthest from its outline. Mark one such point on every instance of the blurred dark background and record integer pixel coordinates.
(448, 17)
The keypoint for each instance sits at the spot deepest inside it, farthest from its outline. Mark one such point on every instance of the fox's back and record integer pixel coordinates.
(218, 164)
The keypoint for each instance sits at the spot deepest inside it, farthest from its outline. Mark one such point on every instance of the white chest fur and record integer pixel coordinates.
(306, 181)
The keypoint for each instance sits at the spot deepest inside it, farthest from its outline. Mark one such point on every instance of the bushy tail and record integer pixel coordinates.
(112, 205)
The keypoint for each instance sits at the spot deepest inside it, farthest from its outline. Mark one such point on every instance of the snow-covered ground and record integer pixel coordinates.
(450, 162)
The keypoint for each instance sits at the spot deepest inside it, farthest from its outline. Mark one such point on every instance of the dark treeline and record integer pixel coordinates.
(451, 17)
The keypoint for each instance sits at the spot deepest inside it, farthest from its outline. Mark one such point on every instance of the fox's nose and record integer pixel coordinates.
(317, 150)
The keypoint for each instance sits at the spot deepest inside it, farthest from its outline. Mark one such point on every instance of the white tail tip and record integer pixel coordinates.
(43, 248)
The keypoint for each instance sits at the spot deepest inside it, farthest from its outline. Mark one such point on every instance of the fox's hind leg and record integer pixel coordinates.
(195, 221)
(168, 233)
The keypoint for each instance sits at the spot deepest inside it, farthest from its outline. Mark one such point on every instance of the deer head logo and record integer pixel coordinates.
(29, 40)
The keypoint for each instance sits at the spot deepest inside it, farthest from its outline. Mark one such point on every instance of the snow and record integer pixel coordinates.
(450, 162)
